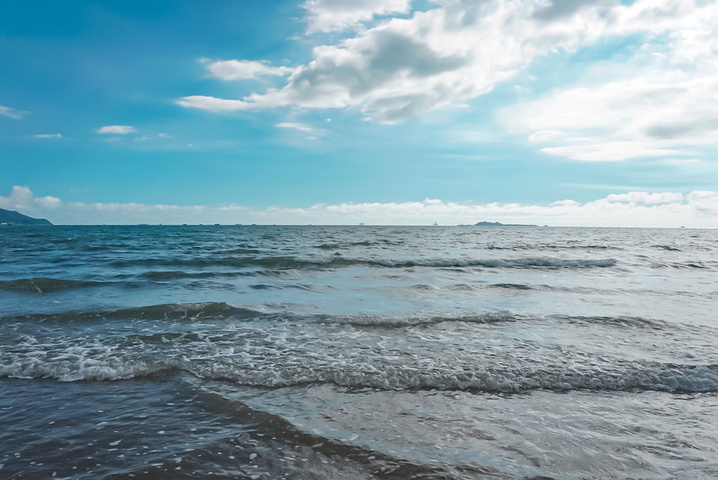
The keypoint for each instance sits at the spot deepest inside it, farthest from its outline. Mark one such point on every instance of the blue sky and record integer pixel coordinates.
(394, 111)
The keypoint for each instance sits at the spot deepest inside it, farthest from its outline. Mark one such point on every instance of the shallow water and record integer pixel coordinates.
(320, 352)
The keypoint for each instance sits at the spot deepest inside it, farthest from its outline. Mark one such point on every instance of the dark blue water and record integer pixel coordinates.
(352, 352)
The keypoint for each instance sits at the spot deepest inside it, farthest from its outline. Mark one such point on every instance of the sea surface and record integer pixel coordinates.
(272, 352)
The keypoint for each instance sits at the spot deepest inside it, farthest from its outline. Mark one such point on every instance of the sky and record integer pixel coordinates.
(558, 112)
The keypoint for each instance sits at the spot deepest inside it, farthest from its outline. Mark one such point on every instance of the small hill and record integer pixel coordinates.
(9, 217)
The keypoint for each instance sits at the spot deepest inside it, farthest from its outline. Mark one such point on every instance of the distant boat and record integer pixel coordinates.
(436, 224)
(361, 224)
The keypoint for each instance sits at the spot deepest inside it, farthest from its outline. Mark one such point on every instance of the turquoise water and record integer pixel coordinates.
(327, 352)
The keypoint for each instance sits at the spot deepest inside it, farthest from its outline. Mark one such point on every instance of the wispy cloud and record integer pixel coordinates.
(48, 135)
(303, 128)
(117, 129)
(633, 209)
(295, 126)
(12, 112)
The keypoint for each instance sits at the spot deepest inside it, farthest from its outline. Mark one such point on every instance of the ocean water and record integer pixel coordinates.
(358, 352)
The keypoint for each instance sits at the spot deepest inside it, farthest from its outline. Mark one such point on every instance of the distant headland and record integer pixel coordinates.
(10, 217)
(497, 224)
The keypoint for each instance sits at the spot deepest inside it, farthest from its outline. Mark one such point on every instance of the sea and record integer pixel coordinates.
(358, 352)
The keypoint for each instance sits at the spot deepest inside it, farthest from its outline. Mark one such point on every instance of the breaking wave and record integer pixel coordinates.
(104, 363)
(271, 350)
(200, 311)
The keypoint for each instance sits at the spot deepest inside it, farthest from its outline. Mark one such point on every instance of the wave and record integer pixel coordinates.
(271, 350)
(513, 286)
(170, 311)
(669, 248)
(46, 285)
(503, 263)
(697, 265)
(398, 322)
(363, 243)
(618, 321)
(108, 367)
(540, 286)
(282, 349)
(553, 247)
(236, 262)
(162, 275)
(244, 250)
(294, 263)
(225, 311)
(106, 364)
(184, 311)
(296, 286)
(173, 275)
(506, 316)
(688, 265)
(328, 246)
(673, 379)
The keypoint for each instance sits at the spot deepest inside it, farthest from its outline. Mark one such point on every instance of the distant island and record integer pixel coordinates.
(497, 224)
(9, 217)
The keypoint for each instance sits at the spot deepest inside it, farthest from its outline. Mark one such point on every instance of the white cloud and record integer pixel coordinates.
(634, 209)
(659, 103)
(48, 202)
(657, 114)
(406, 67)
(334, 15)
(117, 129)
(647, 198)
(296, 126)
(48, 135)
(22, 199)
(243, 69)
(213, 104)
(12, 112)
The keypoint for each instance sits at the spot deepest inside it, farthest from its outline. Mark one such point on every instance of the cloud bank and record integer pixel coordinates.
(633, 209)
